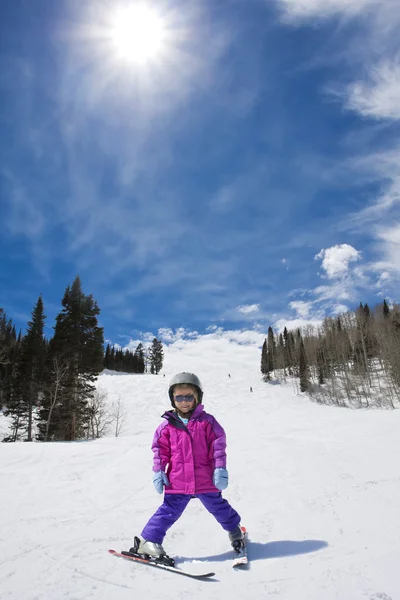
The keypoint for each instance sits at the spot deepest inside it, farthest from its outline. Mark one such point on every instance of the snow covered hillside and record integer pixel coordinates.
(317, 487)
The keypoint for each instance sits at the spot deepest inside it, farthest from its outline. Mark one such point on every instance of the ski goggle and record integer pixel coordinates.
(188, 398)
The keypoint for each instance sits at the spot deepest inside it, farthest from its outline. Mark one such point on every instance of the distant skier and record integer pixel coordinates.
(190, 462)
(229, 375)
(251, 389)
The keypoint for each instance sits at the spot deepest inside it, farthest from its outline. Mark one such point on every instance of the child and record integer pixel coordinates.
(190, 462)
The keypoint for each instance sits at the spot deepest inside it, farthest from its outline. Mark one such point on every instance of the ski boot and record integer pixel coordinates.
(236, 537)
(151, 551)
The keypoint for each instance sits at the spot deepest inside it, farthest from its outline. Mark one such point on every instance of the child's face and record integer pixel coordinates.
(185, 390)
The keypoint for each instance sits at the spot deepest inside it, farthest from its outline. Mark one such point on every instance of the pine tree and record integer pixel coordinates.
(139, 355)
(271, 350)
(107, 357)
(156, 356)
(280, 354)
(385, 310)
(118, 360)
(15, 407)
(112, 359)
(78, 348)
(8, 350)
(264, 361)
(268, 355)
(29, 372)
(303, 368)
(288, 341)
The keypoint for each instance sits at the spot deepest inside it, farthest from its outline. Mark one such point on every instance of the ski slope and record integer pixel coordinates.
(317, 487)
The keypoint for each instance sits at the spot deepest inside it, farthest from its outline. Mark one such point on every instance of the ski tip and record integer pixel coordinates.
(112, 552)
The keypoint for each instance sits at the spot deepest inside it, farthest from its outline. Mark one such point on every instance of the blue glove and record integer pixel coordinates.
(159, 480)
(220, 478)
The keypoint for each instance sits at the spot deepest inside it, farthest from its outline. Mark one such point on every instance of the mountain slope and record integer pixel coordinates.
(317, 487)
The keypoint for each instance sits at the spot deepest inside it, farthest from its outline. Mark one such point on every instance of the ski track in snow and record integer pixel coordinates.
(317, 487)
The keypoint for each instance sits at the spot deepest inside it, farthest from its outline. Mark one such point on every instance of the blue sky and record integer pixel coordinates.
(247, 175)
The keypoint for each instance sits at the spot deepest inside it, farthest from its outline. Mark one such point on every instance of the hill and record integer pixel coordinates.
(317, 487)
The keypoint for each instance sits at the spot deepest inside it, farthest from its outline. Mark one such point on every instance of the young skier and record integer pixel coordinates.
(189, 462)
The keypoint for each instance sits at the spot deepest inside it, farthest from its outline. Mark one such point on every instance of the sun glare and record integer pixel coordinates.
(138, 34)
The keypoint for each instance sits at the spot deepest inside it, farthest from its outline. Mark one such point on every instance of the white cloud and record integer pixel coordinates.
(248, 308)
(145, 338)
(336, 260)
(389, 246)
(292, 324)
(185, 347)
(378, 97)
(373, 50)
(250, 337)
(383, 281)
(342, 290)
(302, 308)
(379, 166)
(169, 336)
(245, 337)
(181, 336)
(339, 309)
(322, 9)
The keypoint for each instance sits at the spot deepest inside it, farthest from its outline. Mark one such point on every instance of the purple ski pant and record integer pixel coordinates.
(174, 505)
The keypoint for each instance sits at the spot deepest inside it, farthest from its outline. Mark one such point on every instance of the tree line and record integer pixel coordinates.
(139, 361)
(47, 386)
(351, 360)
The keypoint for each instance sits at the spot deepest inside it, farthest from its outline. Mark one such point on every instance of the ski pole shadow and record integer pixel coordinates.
(258, 551)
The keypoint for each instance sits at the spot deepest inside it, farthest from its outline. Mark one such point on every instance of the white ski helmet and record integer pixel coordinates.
(185, 379)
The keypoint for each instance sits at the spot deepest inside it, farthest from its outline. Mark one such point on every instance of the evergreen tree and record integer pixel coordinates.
(288, 352)
(139, 355)
(118, 360)
(124, 360)
(15, 407)
(385, 310)
(8, 350)
(264, 361)
(107, 357)
(280, 354)
(156, 356)
(112, 359)
(303, 368)
(29, 373)
(77, 347)
(271, 350)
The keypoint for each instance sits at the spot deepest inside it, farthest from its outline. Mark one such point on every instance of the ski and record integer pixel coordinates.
(158, 565)
(240, 558)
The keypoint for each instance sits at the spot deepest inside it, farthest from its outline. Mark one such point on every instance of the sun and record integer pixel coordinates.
(138, 34)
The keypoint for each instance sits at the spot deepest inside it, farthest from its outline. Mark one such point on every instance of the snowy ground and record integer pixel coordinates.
(317, 487)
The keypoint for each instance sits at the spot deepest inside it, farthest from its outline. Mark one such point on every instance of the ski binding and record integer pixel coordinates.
(241, 558)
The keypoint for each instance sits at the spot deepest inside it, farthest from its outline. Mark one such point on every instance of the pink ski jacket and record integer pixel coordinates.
(189, 453)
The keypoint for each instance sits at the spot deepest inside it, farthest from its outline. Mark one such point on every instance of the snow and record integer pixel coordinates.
(318, 488)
